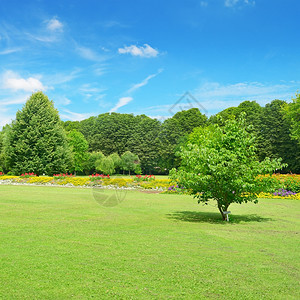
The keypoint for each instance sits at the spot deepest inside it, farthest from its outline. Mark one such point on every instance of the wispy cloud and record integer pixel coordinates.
(234, 3)
(146, 51)
(73, 116)
(50, 31)
(122, 102)
(9, 51)
(62, 77)
(216, 97)
(5, 119)
(62, 100)
(230, 3)
(89, 54)
(99, 71)
(14, 100)
(7, 107)
(112, 23)
(13, 81)
(87, 88)
(143, 83)
(125, 100)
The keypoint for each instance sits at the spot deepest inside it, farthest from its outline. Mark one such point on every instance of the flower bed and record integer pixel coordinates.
(290, 183)
(93, 180)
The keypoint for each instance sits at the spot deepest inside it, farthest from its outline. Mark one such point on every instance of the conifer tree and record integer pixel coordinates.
(36, 141)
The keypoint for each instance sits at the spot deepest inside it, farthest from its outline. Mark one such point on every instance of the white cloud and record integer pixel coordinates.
(12, 80)
(54, 25)
(122, 102)
(144, 82)
(146, 51)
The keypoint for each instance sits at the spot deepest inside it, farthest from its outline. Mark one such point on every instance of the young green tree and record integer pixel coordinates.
(106, 165)
(220, 163)
(93, 159)
(36, 141)
(79, 147)
(129, 161)
(117, 160)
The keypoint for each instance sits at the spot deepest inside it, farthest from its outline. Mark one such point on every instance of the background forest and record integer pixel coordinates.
(115, 143)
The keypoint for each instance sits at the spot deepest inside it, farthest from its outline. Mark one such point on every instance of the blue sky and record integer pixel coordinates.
(92, 57)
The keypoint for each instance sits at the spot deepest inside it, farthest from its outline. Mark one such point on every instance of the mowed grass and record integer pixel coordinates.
(59, 243)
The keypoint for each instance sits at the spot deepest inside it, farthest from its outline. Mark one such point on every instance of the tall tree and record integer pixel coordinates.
(79, 147)
(36, 141)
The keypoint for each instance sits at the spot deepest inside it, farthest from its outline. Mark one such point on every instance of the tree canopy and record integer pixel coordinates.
(220, 163)
(292, 114)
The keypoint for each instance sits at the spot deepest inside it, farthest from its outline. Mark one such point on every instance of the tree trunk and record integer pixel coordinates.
(222, 209)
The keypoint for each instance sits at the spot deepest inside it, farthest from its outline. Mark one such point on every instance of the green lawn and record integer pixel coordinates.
(59, 243)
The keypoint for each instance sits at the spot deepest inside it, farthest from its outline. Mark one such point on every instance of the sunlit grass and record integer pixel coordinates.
(60, 243)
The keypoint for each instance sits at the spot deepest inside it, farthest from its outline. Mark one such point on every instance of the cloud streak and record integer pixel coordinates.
(143, 83)
(122, 102)
(73, 116)
(9, 51)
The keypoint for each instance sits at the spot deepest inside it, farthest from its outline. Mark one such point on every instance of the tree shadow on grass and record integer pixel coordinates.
(209, 217)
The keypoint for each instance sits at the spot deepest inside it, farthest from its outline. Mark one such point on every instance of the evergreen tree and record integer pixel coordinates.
(36, 141)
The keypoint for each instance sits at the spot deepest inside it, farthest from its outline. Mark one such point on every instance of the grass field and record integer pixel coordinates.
(59, 243)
